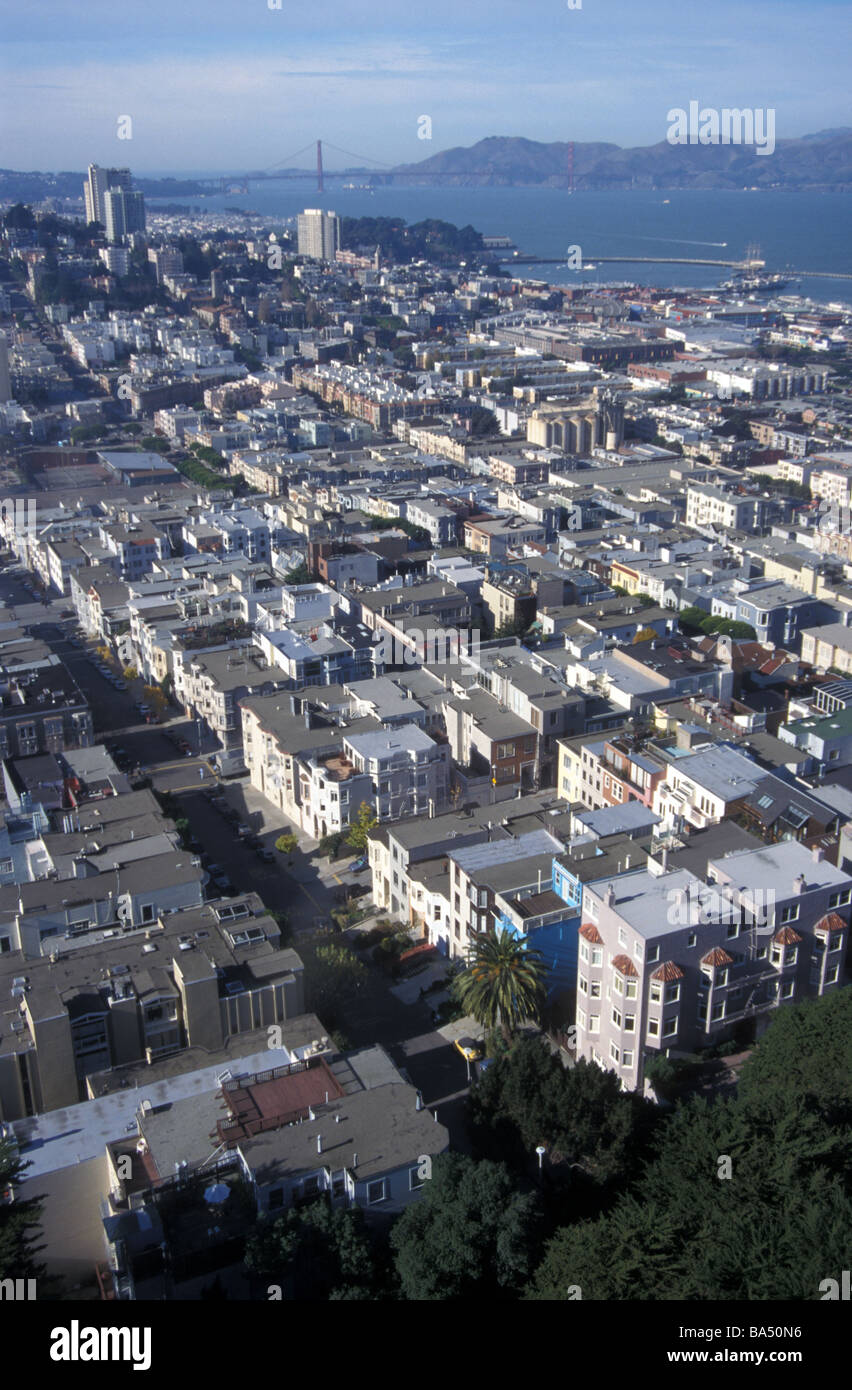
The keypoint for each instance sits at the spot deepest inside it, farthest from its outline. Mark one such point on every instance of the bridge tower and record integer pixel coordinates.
(319, 167)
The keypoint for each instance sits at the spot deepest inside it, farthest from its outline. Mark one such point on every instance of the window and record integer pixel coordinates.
(584, 951)
(147, 912)
(653, 1027)
(630, 1023)
(595, 990)
(582, 984)
(835, 941)
(630, 989)
(787, 988)
(831, 974)
(614, 1053)
(840, 899)
(618, 984)
(732, 930)
(790, 913)
(691, 939)
(414, 1179)
(595, 1023)
(376, 1191)
(597, 955)
(672, 993)
(622, 937)
(627, 1059)
(653, 953)
(722, 976)
(656, 993)
(670, 1028)
(616, 1018)
(718, 1011)
(581, 1018)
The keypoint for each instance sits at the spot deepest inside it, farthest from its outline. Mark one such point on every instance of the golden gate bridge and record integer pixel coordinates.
(382, 171)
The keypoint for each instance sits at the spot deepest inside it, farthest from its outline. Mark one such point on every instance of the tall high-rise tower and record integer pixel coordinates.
(319, 234)
(98, 182)
(124, 212)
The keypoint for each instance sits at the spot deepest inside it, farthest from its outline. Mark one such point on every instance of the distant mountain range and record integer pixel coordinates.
(822, 160)
(819, 161)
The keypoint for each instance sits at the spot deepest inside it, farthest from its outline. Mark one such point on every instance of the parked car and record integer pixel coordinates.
(359, 865)
(469, 1048)
(243, 830)
(265, 854)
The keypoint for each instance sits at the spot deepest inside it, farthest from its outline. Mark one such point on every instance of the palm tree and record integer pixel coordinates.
(504, 981)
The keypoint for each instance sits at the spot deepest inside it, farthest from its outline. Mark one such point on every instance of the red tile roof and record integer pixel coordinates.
(717, 956)
(832, 921)
(591, 933)
(624, 965)
(668, 971)
(787, 937)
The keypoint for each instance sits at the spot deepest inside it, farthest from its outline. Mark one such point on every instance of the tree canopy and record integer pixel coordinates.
(19, 1219)
(473, 1234)
(745, 1198)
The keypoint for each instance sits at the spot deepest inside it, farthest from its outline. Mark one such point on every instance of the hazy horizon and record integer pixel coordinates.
(219, 86)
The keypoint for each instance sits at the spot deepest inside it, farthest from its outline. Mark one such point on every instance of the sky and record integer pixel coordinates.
(236, 85)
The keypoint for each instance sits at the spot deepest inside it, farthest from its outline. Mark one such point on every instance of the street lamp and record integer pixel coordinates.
(541, 1151)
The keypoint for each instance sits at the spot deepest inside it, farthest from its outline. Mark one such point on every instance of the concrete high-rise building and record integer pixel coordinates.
(166, 260)
(98, 182)
(124, 213)
(5, 379)
(319, 234)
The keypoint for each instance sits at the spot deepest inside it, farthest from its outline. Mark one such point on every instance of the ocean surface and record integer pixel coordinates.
(792, 231)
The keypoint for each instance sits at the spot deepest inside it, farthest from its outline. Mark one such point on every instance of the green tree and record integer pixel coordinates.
(20, 1219)
(473, 1234)
(335, 978)
(287, 844)
(579, 1114)
(503, 983)
(746, 1198)
(360, 828)
(315, 1252)
(483, 422)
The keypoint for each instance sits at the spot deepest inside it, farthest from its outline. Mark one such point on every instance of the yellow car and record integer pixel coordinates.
(469, 1048)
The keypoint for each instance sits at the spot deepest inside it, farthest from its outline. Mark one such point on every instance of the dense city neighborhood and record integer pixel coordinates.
(427, 765)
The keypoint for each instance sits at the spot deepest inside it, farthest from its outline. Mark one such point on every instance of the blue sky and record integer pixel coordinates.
(234, 85)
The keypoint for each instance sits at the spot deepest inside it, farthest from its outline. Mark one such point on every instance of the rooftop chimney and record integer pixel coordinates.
(818, 853)
(799, 884)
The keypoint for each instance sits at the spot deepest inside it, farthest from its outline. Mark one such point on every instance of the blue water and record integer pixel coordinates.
(802, 231)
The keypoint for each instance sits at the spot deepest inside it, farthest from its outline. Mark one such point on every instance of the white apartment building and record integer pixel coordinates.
(318, 234)
(410, 773)
(670, 963)
(712, 506)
